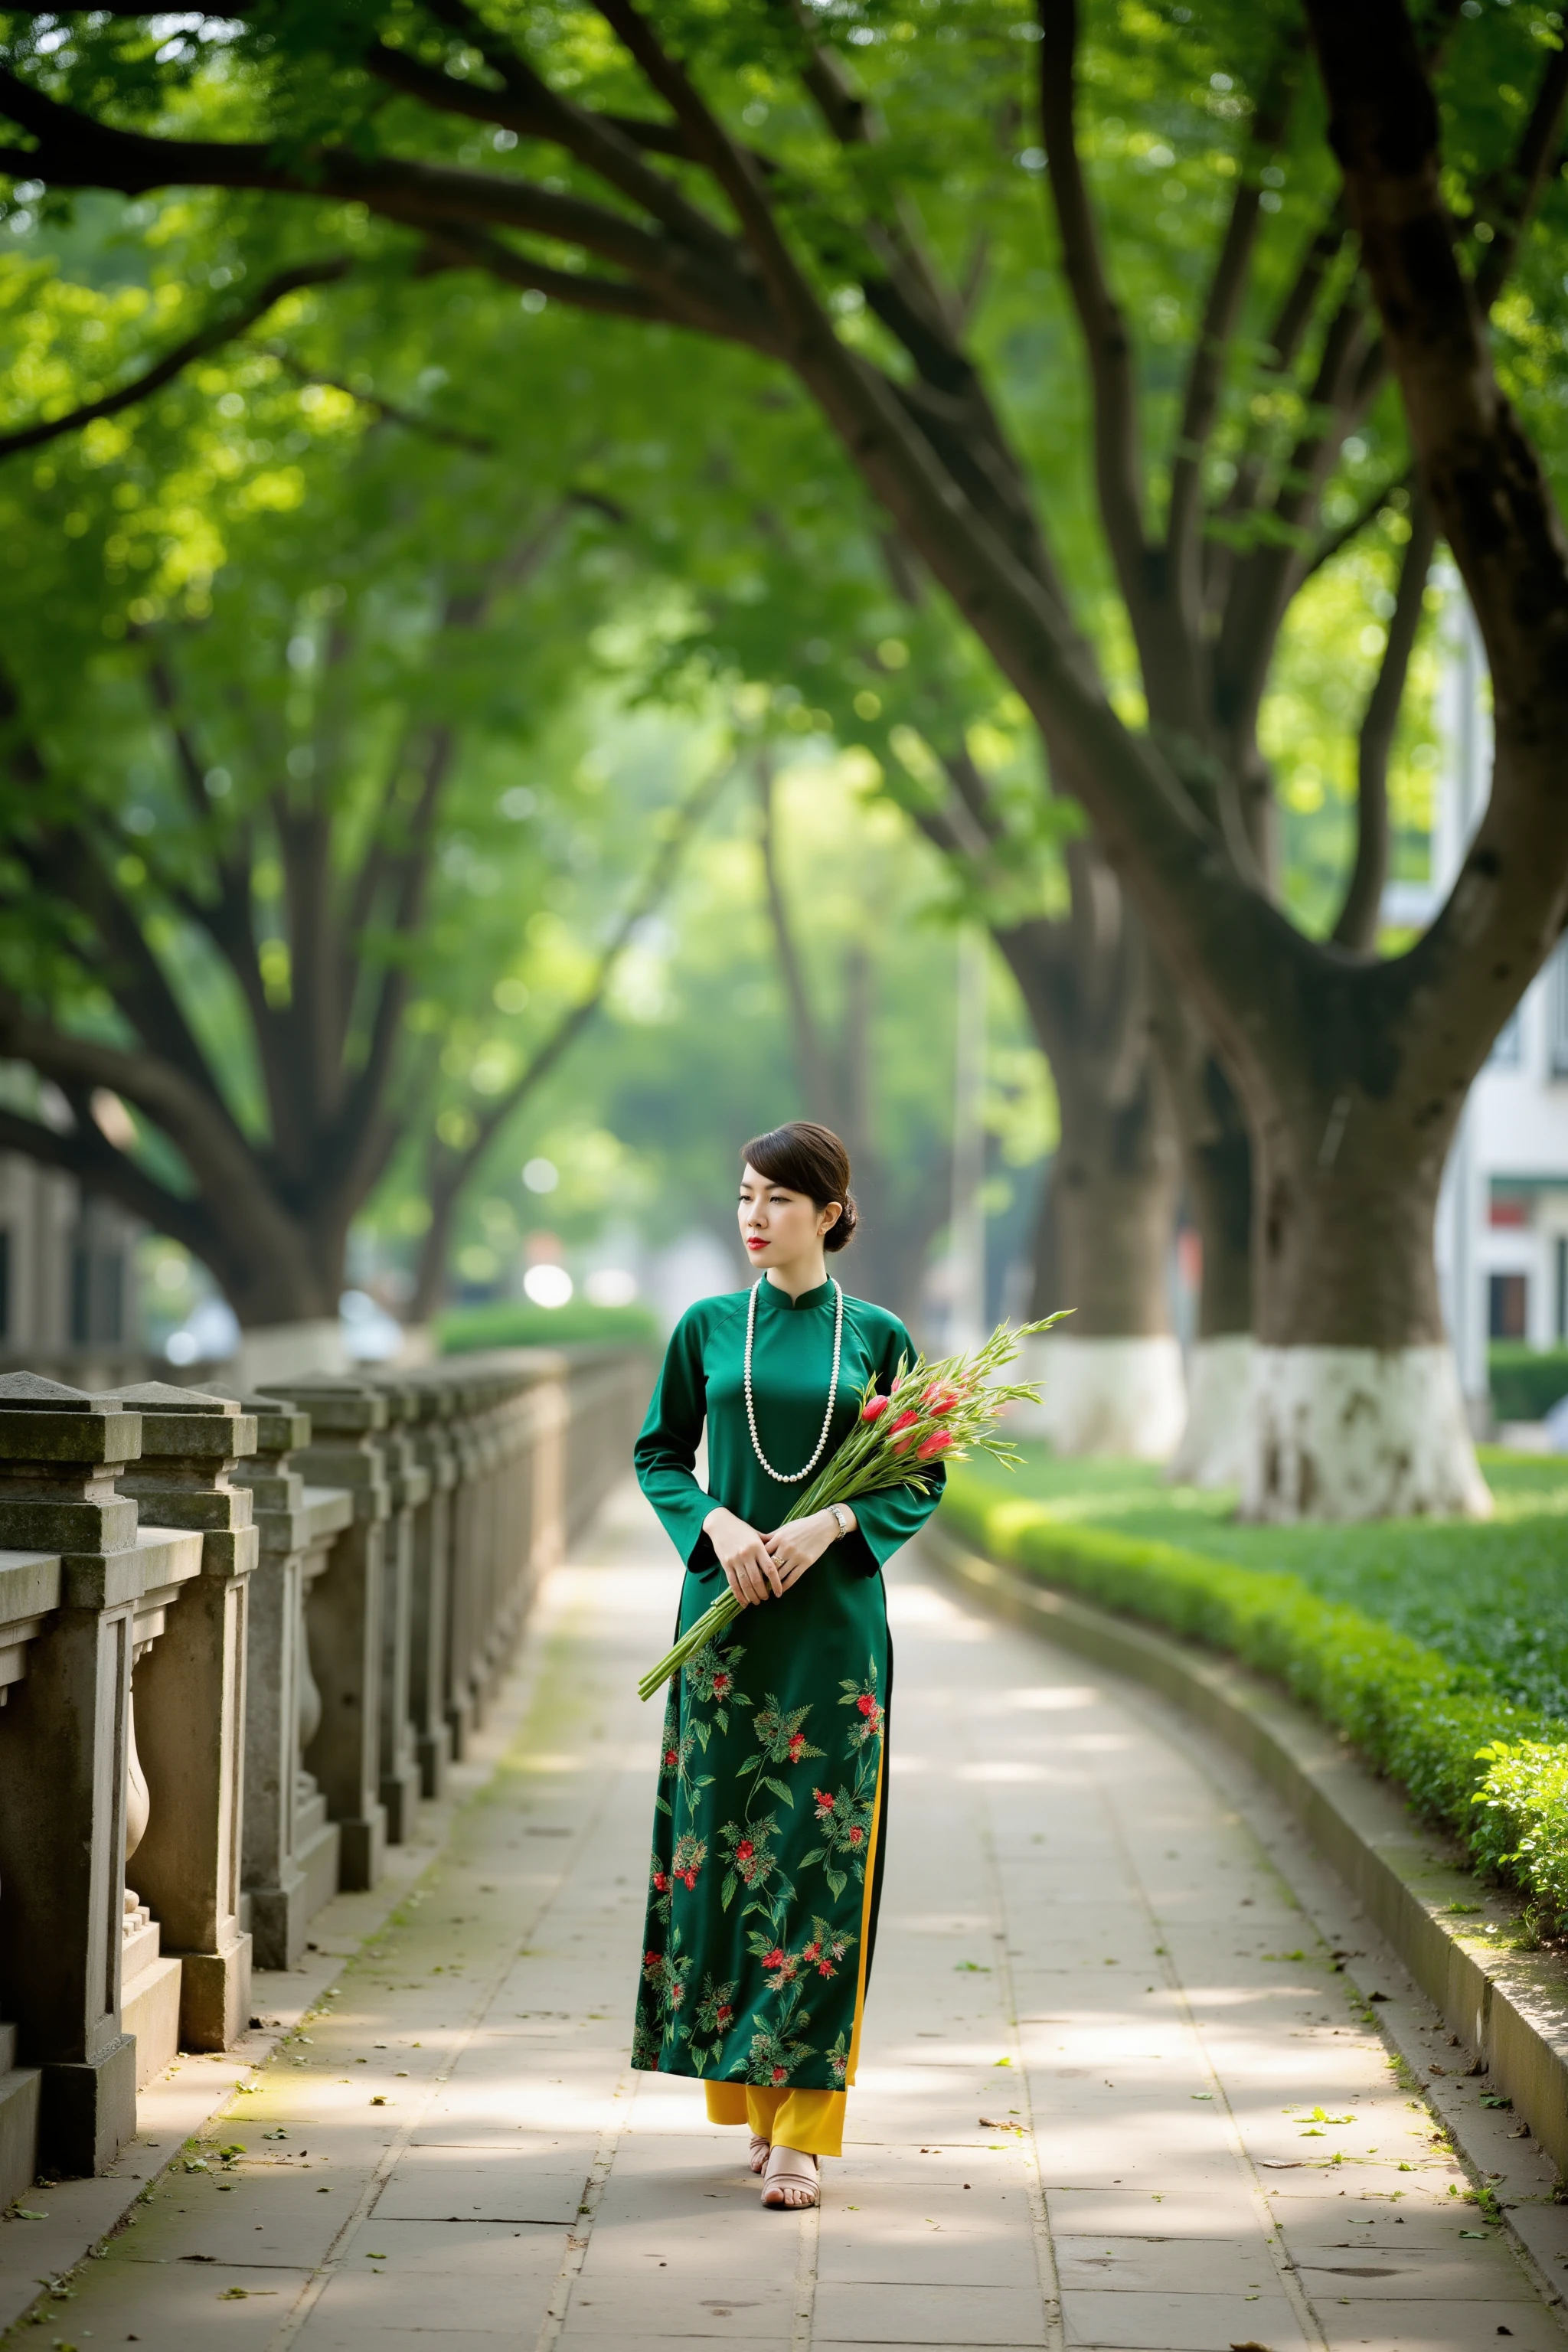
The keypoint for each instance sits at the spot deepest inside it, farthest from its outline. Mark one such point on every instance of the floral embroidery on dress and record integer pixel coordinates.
(711, 1676)
(666, 1973)
(845, 1821)
(751, 1861)
(713, 2017)
(675, 1766)
(780, 1741)
(823, 1951)
(872, 1715)
(778, 2049)
(837, 2061)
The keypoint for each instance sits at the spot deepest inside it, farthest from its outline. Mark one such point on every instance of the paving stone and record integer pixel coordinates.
(1180, 2323)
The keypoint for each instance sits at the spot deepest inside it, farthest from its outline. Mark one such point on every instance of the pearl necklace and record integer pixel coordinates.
(792, 1477)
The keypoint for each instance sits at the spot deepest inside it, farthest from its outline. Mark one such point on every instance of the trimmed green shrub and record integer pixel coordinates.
(515, 1323)
(1494, 1772)
(1526, 1383)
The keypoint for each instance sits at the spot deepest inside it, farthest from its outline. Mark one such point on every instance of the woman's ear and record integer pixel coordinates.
(830, 1217)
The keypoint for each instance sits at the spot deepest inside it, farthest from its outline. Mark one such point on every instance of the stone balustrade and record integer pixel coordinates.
(241, 1638)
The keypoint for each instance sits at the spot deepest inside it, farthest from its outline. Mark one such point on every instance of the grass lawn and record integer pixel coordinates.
(1492, 1596)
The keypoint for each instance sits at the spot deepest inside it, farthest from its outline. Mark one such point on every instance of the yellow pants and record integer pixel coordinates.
(812, 2121)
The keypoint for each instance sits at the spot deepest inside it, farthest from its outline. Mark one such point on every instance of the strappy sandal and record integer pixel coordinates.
(786, 2186)
(757, 2154)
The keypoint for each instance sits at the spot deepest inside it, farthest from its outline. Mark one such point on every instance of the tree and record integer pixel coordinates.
(269, 842)
(1352, 1070)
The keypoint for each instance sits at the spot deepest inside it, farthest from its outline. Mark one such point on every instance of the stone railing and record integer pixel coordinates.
(240, 1639)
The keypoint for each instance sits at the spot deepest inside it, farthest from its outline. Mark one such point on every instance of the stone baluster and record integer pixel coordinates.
(434, 1446)
(191, 1693)
(463, 1569)
(343, 1614)
(290, 1856)
(550, 1421)
(63, 1760)
(408, 1489)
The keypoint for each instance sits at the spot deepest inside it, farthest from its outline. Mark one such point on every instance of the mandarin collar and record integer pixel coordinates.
(821, 1296)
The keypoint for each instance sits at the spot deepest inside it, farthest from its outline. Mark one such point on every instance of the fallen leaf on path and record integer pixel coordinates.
(991, 2123)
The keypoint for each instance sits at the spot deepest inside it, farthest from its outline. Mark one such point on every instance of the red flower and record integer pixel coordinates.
(652, 1959)
(937, 1443)
(774, 1959)
(904, 1421)
(671, 1757)
(690, 1877)
(796, 1743)
(811, 1951)
(660, 1882)
(780, 2073)
(824, 1967)
(720, 1685)
(875, 1407)
(723, 2013)
(940, 1400)
(676, 1994)
(866, 1703)
(744, 1851)
(856, 1836)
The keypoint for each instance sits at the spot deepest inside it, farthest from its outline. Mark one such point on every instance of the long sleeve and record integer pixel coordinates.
(885, 1521)
(665, 1455)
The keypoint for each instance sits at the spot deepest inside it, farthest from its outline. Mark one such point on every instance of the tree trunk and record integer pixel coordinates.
(1356, 1409)
(1216, 1167)
(1111, 1381)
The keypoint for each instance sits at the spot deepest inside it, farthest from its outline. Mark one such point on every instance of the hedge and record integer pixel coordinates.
(515, 1323)
(1526, 1383)
(1493, 1772)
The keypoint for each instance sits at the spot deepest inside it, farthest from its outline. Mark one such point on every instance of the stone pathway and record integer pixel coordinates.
(1115, 2093)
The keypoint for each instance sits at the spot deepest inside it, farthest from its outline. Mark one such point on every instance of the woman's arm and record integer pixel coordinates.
(665, 1455)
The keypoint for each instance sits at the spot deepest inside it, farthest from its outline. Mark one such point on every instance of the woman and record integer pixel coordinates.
(768, 1836)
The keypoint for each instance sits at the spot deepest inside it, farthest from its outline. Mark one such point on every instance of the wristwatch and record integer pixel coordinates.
(841, 1518)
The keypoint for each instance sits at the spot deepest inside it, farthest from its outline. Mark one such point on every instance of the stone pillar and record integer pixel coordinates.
(289, 1853)
(190, 1693)
(438, 1455)
(343, 1615)
(29, 1595)
(62, 1766)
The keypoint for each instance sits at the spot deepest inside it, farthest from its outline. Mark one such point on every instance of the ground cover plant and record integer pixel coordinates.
(1441, 1649)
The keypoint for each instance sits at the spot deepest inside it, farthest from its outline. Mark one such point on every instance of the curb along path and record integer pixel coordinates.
(1099, 2031)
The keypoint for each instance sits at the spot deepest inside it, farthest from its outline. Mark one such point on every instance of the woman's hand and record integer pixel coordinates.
(795, 1547)
(743, 1554)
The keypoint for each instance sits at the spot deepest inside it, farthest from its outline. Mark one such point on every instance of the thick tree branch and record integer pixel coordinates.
(1205, 373)
(1358, 920)
(210, 338)
(1118, 455)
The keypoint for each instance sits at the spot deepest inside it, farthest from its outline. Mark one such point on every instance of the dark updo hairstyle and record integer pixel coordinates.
(806, 1158)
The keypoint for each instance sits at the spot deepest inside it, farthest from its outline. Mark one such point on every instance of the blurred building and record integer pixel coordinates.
(69, 1303)
(1502, 1222)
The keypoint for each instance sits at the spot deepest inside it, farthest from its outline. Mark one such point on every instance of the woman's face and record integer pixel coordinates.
(778, 1226)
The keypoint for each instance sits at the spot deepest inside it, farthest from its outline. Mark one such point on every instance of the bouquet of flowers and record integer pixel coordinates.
(932, 1413)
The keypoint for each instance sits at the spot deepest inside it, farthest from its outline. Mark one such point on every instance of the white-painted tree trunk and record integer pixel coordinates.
(1213, 1447)
(270, 1351)
(1360, 1434)
(1115, 1397)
